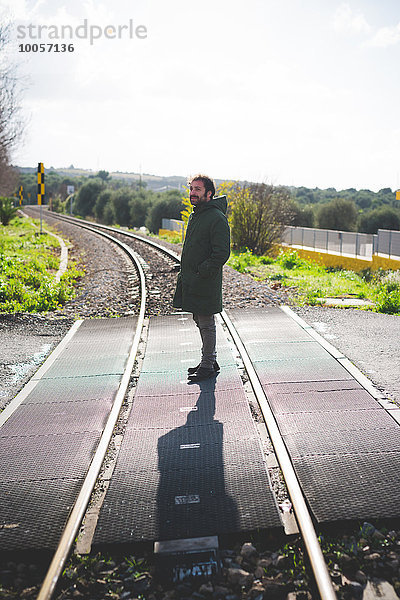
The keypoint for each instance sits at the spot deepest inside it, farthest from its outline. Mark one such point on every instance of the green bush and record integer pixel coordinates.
(167, 205)
(259, 216)
(338, 214)
(384, 217)
(240, 262)
(289, 259)
(388, 298)
(7, 210)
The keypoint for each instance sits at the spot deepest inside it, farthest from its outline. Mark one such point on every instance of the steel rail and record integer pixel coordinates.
(303, 517)
(130, 234)
(71, 529)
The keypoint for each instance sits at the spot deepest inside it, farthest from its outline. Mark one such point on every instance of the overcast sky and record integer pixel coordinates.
(293, 92)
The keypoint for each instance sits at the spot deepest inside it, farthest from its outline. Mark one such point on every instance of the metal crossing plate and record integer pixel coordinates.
(175, 411)
(321, 401)
(292, 388)
(33, 513)
(336, 421)
(190, 463)
(345, 447)
(57, 417)
(180, 450)
(354, 486)
(286, 350)
(48, 442)
(177, 504)
(172, 336)
(79, 389)
(360, 441)
(173, 382)
(182, 359)
(305, 369)
(76, 366)
(46, 456)
(122, 328)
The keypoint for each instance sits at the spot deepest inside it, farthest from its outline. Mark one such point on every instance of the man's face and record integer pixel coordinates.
(198, 193)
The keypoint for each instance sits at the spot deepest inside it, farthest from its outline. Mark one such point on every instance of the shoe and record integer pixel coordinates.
(201, 374)
(192, 370)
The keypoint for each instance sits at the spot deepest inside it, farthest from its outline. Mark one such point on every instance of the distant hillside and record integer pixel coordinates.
(364, 199)
(154, 182)
(157, 183)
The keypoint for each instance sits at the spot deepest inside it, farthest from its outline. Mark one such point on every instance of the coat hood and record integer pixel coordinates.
(219, 202)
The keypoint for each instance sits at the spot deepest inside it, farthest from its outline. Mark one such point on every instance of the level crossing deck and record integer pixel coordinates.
(343, 441)
(47, 443)
(191, 463)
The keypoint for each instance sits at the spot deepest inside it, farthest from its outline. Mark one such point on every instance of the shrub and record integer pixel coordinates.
(241, 261)
(168, 205)
(388, 295)
(388, 298)
(260, 213)
(7, 210)
(380, 218)
(289, 259)
(338, 214)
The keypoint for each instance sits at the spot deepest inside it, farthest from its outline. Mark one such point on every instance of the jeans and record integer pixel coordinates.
(206, 325)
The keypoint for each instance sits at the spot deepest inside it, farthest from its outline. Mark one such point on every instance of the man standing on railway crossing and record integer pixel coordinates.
(199, 286)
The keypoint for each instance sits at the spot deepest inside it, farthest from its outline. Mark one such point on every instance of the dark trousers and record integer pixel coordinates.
(208, 333)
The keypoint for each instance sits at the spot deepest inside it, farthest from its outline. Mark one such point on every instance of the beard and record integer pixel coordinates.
(196, 200)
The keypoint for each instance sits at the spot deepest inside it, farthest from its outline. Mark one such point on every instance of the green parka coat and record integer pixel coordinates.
(205, 250)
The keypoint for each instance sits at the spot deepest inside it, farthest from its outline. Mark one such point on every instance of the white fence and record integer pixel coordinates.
(172, 224)
(363, 245)
(327, 240)
(388, 243)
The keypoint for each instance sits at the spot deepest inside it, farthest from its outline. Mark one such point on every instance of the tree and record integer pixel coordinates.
(338, 214)
(104, 176)
(11, 125)
(86, 197)
(260, 213)
(102, 200)
(138, 208)
(380, 218)
(168, 205)
(120, 200)
(303, 216)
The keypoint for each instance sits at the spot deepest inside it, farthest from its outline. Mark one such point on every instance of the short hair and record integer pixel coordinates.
(208, 183)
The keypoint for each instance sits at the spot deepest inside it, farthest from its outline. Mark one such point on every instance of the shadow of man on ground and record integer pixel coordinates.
(191, 498)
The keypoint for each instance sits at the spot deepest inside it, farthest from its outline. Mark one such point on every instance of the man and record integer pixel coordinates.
(199, 286)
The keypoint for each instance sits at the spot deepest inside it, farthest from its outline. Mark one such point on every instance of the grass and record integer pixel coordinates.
(28, 264)
(174, 237)
(310, 281)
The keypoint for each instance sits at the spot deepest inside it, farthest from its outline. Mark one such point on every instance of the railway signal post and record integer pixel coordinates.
(41, 190)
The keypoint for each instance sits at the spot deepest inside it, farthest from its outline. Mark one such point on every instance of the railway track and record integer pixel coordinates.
(300, 504)
(303, 517)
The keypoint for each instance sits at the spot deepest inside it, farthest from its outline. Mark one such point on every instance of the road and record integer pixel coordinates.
(370, 340)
